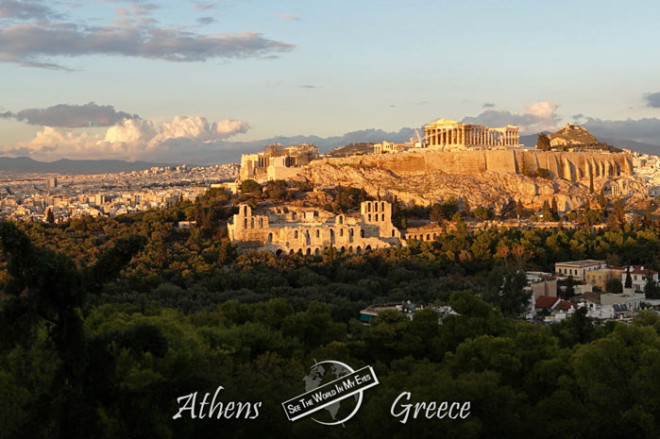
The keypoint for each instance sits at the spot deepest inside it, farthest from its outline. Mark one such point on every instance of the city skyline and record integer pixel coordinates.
(164, 81)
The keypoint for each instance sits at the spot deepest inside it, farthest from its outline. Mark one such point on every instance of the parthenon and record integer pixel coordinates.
(445, 133)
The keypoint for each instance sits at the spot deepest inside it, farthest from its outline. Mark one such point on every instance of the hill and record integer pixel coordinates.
(65, 166)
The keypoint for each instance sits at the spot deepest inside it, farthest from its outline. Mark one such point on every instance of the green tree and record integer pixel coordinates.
(251, 188)
(543, 142)
(50, 217)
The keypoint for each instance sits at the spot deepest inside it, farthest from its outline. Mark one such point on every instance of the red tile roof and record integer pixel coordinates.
(546, 302)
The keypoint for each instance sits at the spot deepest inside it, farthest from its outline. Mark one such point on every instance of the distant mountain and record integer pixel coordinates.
(65, 166)
(632, 145)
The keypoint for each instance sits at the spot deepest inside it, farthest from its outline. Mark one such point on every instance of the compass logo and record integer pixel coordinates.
(333, 393)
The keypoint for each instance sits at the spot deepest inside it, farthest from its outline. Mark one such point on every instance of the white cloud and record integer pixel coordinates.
(538, 116)
(178, 140)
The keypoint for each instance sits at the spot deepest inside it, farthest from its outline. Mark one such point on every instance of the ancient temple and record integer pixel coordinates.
(445, 133)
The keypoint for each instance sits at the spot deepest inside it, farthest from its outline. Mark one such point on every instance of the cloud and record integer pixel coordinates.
(539, 116)
(32, 43)
(489, 105)
(206, 20)
(640, 130)
(290, 17)
(184, 139)
(204, 6)
(308, 86)
(652, 100)
(26, 10)
(71, 116)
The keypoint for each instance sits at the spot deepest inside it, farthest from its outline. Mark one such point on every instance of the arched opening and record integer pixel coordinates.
(332, 235)
(244, 210)
(367, 248)
(252, 223)
(358, 250)
(270, 237)
(300, 251)
(361, 233)
(351, 232)
(316, 252)
(393, 233)
(245, 223)
(350, 249)
(435, 236)
(369, 207)
(291, 252)
(369, 217)
(279, 252)
(382, 206)
(341, 219)
(309, 251)
(261, 223)
(375, 207)
(342, 249)
(382, 217)
(428, 237)
(295, 234)
(318, 233)
(341, 232)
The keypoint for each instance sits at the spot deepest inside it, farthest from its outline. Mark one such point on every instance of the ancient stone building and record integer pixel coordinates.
(445, 133)
(308, 231)
(277, 162)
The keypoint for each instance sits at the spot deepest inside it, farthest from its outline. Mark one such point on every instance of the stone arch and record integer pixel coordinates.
(342, 249)
(300, 252)
(361, 233)
(367, 248)
(270, 237)
(308, 251)
(393, 233)
(252, 223)
(375, 207)
(382, 206)
(350, 249)
(428, 237)
(278, 252)
(291, 252)
(435, 236)
(261, 223)
(358, 250)
(341, 219)
(316, 251)
(307, 238)
(351, 232)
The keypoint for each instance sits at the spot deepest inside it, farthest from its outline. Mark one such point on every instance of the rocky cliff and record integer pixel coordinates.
(494, 178)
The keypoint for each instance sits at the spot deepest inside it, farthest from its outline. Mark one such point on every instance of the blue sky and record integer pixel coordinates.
(175, 76)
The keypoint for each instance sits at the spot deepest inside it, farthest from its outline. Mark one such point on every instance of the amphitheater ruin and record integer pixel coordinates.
(309, 231)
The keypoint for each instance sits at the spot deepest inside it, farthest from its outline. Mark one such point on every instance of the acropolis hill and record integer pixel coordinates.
(479, 165)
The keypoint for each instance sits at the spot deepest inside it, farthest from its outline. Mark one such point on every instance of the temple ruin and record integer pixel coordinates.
(277, 162)
(445, 133)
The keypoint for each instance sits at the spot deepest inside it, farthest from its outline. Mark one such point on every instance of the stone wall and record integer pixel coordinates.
(572, 166)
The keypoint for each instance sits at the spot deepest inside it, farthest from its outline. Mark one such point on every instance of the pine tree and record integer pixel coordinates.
(520, 209)
(628, 283)
(543, 142)
(50, 217)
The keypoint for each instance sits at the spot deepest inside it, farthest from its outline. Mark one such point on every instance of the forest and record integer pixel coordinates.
(106, 322)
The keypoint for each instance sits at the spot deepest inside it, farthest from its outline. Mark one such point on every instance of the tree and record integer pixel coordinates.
(250, 187)
(543, 142)
(50, 217)
(520, 209)
(628, 282)
(614, 286)
(547, 212)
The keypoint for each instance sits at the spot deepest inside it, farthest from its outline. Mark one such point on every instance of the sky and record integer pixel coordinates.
(193, 80)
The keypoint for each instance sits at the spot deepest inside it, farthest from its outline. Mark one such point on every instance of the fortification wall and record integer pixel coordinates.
(573, 166)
